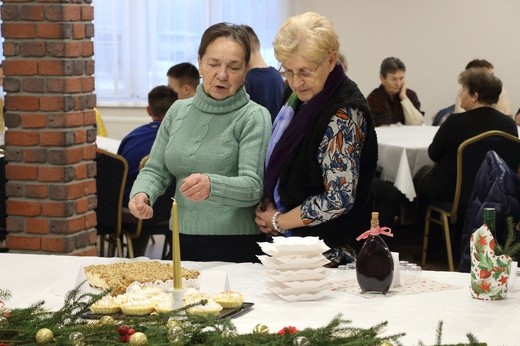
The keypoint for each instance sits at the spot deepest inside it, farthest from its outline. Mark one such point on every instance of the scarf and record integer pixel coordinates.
(288, 134)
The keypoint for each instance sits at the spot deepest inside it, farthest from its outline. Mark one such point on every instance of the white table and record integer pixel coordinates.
(403, 150)
(108, 144)
(48, 277)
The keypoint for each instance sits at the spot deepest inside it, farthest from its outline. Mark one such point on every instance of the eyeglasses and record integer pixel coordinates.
(302, 74)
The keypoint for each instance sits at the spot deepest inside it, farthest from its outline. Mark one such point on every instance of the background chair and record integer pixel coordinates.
(134, 228)
(470, 155)
(496, 186)
(112, 170)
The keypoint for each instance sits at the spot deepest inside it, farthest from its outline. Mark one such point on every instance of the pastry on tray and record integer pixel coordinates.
(118, 276)
(229, 299)
(106, 305)
(211, 308)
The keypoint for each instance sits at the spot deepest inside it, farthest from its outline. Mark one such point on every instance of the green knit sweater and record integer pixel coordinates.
(224, 139)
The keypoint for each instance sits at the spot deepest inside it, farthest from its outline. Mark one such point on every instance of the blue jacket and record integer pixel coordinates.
(496, 186)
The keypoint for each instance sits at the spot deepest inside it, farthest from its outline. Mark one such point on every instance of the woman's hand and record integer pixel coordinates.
(196, 187)
(264, 216)
(140, 206)
(402, 92)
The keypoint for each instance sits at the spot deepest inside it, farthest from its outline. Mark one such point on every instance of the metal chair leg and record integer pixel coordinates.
(129, 246)
(447, 240)
(102, 246)
(425, 237)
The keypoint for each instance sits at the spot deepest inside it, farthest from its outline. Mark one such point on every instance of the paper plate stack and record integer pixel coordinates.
(296, 269)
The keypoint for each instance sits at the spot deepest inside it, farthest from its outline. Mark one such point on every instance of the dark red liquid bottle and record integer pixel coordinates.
(375, 266)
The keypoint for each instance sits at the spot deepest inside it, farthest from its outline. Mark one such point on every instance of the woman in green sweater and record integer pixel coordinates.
(214, 144)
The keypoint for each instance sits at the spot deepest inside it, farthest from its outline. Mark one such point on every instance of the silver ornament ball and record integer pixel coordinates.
(301, 341)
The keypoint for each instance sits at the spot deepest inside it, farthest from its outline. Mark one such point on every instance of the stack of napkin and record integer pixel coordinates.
(296, 269)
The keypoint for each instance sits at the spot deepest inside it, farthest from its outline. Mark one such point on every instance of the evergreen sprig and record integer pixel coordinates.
(22, 325)
(512, 244)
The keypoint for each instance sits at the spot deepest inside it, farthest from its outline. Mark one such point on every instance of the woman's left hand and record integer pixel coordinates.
(196, 187)
(264, 217)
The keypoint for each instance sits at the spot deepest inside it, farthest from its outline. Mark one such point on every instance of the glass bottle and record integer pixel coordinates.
(489, 216)
(489, 219)
(375, 266)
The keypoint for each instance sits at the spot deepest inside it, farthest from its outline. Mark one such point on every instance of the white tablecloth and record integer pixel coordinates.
(48, 277)
(108, 144)
(403, 150)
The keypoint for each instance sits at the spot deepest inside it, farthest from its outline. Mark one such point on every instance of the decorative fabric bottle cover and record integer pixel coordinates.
(375, 267)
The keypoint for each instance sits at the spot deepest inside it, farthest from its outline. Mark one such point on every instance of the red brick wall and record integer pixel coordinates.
(49, 82)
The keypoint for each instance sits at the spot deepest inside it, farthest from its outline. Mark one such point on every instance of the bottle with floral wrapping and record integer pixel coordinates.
(375, 266)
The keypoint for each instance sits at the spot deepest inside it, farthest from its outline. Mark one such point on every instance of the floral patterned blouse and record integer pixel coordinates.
(339, 154)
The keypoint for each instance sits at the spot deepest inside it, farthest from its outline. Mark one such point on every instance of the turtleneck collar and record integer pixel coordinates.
(205, 103)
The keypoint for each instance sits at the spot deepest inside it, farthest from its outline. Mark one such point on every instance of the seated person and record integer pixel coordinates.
(183, 78)
(138, 143)
(442, 115)
(393, 102)
(502, 105)
(264, 84)
(480, 90)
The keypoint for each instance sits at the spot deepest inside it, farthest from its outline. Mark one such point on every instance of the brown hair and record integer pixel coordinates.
(223, 29)
(479, 63)
(391, 65)
(480, 81)
(186, 73)
(160, 99)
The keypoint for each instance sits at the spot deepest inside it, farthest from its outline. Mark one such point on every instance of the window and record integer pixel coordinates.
(137, 41)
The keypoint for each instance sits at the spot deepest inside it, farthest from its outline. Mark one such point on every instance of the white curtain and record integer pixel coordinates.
(137, 41)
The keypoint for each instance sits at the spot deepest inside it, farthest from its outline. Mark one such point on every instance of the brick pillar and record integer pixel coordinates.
(49, 83)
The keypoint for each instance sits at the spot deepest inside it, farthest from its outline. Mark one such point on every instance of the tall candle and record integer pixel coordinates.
(176, 256)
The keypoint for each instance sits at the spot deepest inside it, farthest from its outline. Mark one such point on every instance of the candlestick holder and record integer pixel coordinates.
(177, 298)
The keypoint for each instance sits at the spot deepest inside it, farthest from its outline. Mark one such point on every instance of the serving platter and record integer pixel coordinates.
(224, 313)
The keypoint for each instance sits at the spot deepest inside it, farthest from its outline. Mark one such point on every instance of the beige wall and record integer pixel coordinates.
(434, 38)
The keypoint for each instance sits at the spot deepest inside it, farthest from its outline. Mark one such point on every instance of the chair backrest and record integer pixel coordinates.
(112, 170)
(471, 154)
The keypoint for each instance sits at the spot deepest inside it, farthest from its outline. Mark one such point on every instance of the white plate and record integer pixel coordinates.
(294, 245)
(303, 297)
(302, 259)
(307, 284)
(309, 287)
(273, 263)
(298, 275)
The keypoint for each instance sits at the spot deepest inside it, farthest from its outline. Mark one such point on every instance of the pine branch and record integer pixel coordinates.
(5, 294)
(439, 333)
(24, 323)
(512, 245)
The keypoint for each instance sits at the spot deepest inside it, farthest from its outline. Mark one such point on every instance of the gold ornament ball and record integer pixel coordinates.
(138, 339)
(386, 343)
(228, 333)
(44, 336)
(107, 321)
(173, 322)
(261, 328)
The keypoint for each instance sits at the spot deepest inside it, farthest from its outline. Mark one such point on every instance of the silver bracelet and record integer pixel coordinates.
(274, 221)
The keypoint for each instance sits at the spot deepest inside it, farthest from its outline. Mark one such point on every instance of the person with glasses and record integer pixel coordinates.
(214, 144)
(323, 150)
(393, 102)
